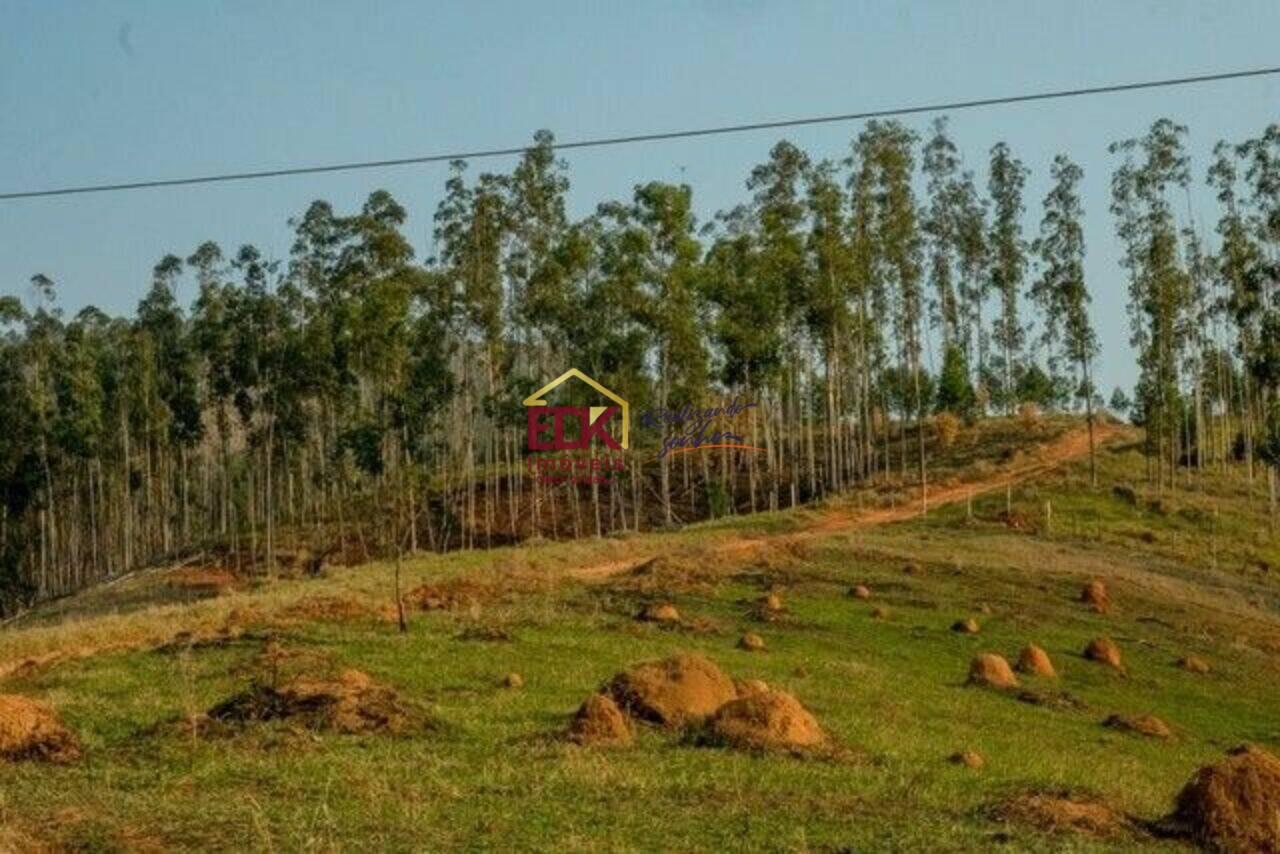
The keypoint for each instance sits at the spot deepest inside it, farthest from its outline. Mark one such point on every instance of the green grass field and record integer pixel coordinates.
(1189, 573)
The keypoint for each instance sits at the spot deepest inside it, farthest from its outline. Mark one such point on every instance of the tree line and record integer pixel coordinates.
(354, 397)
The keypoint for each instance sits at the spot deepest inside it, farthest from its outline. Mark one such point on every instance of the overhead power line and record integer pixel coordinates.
(642, 137)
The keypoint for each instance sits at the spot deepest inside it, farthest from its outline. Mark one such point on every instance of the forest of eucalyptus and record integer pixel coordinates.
(357, 399)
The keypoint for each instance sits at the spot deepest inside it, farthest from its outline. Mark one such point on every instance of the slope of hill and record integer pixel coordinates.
(219, 713)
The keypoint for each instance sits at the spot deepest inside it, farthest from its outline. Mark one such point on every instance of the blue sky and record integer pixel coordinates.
(114, 91)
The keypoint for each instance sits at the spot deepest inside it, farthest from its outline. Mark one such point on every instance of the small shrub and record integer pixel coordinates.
(1029, 415)
(947, 427)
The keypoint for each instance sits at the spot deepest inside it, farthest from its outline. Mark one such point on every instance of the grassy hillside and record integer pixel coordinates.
(483, 765)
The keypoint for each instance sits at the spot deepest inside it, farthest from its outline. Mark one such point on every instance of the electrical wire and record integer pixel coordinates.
(483, 153)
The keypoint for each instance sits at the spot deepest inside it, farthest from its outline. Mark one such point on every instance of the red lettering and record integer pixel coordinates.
(598, 429)
(537, 427)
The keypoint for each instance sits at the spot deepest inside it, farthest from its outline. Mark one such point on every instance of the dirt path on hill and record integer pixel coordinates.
(1066, 448)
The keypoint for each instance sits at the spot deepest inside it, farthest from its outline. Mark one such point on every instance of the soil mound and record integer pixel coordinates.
(600, 723)
(750, 686)
(351, 703)
(1104, 651)
(513, 681)
(751, 642)
(1095, 595)
(1034, 661)
(31, 730)
(673, 692)
(769, 607)
(967, 758)
(768, 720)
(967, 626)
(860, 591)
(1148, 725)
(992, 671)
(1066, 812)
(1233, 805)
(659, 612)
(1194, 664)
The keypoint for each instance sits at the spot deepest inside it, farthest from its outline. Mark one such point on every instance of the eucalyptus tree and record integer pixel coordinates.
(1239, 261)
(953, 226)
(1200, 346)
(1159, 293)
(614, 326)
(746, 317)
(940, 225)
(42, 341)
(1060, 289)
(868, 299)
(888, 149)
(536, 192)
(829, 315)
(82, 437)
(258, 367)
(20, 475)
(778, 213)
(974, 283)
(471, 227)
(672, 307)
(1006, 180)
(1262, 176)
(213, 340)
(378, 258)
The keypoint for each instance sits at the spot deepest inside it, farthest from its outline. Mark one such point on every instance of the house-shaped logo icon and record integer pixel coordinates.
(592, 420)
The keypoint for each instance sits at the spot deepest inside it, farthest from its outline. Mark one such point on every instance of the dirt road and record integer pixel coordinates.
(1065, 449)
